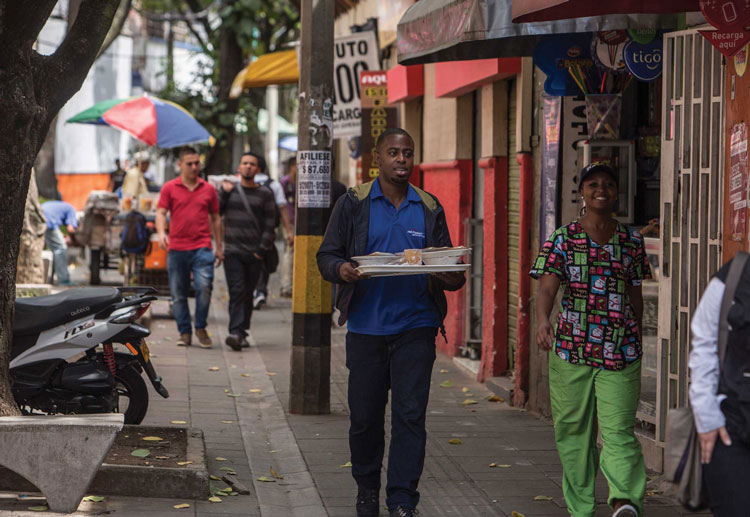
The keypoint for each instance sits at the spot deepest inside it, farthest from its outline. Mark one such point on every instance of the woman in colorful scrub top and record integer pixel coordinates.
(595, 370)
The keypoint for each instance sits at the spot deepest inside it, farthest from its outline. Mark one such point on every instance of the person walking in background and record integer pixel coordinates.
(289, 185)
(116, 177)
(282, 216)
(249, 213)
(134, 184)
(720, 394)
(59, 213)
(392, 322)
(193, 206)
(595, 368)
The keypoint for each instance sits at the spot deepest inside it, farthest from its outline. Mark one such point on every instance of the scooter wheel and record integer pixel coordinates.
(130, 385)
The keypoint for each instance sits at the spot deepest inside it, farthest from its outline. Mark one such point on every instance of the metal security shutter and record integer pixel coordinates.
(514, 208)
(692, 168)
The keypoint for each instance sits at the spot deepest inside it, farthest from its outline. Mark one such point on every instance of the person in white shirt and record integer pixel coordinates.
(721, 399)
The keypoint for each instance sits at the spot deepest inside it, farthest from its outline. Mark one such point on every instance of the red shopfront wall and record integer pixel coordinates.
(494, 361)
(451, 183)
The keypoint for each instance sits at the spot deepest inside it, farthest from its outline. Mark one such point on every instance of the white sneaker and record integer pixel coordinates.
(258, 301)
(626, 510)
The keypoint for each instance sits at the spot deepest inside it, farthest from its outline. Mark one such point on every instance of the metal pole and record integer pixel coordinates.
(311, 304)
(272, 137)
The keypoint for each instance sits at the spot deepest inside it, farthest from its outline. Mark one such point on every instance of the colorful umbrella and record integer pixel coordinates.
(151, 120)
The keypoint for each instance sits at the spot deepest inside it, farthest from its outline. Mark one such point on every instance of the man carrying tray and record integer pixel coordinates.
(392, 321)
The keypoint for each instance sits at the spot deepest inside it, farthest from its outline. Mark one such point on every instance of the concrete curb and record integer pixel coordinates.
(188, 482)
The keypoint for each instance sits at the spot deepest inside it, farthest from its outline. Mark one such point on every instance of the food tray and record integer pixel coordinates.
(408, 269)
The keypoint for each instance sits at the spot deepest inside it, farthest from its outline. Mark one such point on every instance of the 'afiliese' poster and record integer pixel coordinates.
(314, 179)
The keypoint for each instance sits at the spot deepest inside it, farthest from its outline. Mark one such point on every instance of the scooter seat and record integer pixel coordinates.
(45, 312)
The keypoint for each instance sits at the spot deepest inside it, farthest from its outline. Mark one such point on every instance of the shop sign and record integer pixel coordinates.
(740, 61)
(352, 55)
(642, 35)
(555, 54)
(644, 60)
(376, 118)
(727, 42)
(550, 164)
(313, 179)
(726, 14)
(738, 183)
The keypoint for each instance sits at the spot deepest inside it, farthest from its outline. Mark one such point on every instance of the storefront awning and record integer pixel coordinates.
(275, 68)
(524, 11)
(450, 30)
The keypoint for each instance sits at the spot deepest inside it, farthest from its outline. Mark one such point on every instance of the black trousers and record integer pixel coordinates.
(726, 477)
(401, 363)
(242, 274)
(262, 285)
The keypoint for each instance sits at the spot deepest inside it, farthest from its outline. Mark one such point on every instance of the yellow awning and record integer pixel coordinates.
(275, 68)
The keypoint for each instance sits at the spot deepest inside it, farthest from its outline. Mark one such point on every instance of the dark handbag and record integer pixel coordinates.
(682, 454)
(271, 258)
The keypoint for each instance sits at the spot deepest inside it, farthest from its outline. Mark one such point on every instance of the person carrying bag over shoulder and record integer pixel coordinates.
(716, 459)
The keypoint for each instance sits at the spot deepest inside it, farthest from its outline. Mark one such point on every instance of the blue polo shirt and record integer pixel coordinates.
(391, 305)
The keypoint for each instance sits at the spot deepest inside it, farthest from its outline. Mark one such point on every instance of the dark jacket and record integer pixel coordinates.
(346, 237)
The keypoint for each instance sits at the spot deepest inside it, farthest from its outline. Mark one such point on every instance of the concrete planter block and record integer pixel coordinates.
(58, 454)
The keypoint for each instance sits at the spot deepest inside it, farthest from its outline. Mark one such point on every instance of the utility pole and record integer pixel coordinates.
(310, 389)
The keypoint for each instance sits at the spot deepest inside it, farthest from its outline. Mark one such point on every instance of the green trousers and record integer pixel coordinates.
(583, 397)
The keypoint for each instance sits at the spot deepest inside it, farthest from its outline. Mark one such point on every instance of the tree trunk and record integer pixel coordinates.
(230, 63)
(33, 88)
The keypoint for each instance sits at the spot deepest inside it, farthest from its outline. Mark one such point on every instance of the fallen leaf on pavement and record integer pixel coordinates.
(273, 452)
(652, 493)
(465, 389)
(181, 463)
(542, 498)
(468, 402)
(227, 422)
(245, 374)
(275, 474)
(455, 441)
(181, 506)
(179, 422)
(227, 469)
(38, 508)
(254, 390)
(93, 498)
(234, 493)
(443, 370)
(219, 458)
(141, 453)
(516, 514)
(226, 391)
(213, 368)
(214, 499)
(152, 439)
(495, 398)
(348, 464)
(214, 478)
(221, 492)
(266, 479)
(162, 457)
(270, 374)
(233, 394)
(446, 384)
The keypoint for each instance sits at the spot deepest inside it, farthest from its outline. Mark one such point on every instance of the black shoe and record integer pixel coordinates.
(368, 502)
(233, 341)
(403, 511)
(244, 343)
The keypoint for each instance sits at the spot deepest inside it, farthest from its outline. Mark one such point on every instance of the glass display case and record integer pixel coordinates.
(620, 155)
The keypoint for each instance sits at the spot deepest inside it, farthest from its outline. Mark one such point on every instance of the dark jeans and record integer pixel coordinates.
(725, 478)
(402, 363)
(180, 264)
(242, 274)
(262, 285)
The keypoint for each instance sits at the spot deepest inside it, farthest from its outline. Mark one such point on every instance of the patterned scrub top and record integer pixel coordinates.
(597, 325)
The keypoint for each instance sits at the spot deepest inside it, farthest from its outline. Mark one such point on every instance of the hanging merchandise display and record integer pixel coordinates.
(644, 60)
(727, 14)
(606, 50)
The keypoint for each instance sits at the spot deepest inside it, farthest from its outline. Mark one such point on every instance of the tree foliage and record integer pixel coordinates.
(230, 34)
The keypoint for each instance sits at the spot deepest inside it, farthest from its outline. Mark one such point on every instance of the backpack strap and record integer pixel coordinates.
(730, 286)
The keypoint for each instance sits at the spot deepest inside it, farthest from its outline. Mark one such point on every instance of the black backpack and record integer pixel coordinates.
(135, 234)
(277, 217)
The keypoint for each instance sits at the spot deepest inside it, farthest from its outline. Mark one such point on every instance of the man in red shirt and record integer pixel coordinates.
(194, 215)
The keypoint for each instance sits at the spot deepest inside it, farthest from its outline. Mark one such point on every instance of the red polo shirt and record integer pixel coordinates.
(189, 220)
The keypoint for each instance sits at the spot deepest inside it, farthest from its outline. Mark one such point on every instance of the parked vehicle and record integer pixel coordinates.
(63, 359)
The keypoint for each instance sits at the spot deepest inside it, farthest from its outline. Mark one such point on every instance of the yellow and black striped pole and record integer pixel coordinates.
(311, 304)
